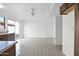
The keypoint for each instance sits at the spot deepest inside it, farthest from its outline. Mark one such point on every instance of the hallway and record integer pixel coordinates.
(37, 49)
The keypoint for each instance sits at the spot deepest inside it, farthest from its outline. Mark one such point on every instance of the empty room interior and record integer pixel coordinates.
(39, 29)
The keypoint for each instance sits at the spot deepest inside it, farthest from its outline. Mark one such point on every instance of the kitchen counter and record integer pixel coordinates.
(5, 33)
(5, 45)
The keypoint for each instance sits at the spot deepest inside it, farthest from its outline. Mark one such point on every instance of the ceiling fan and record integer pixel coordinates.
(33, 11)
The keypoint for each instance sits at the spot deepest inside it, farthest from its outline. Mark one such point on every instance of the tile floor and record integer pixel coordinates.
(27, 48)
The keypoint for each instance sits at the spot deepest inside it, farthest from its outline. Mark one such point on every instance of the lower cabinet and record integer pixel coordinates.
(9, 52)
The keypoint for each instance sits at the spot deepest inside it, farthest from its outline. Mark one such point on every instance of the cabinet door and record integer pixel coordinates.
(66, 8)
(70, 4)
(10, 52)
(63, 8)
(76, 48)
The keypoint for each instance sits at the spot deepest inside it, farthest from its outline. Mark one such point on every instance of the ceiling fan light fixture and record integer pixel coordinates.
(32, 11)
(33, 14)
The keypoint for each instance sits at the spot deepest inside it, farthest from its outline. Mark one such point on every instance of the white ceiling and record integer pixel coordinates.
(22, 10)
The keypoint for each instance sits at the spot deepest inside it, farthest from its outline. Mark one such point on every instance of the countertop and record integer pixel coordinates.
(5, 33)
(4, 45)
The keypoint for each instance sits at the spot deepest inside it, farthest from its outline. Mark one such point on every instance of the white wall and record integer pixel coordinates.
(21, 29)
(39, 28)
(68, 34)
(58, 29)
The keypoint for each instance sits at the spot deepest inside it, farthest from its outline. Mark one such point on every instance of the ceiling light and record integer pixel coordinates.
(1, 6)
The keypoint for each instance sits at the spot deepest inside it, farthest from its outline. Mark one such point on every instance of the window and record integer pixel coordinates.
(16, 27)
(11, 26)
(2, 22)
(11, 29)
